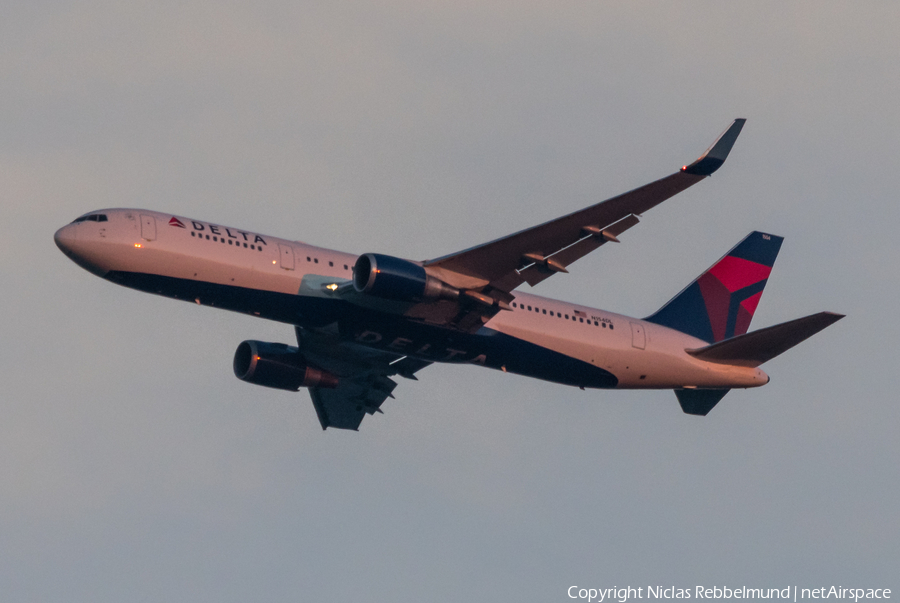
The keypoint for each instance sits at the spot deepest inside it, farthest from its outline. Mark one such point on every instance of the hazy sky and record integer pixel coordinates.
(135, 467)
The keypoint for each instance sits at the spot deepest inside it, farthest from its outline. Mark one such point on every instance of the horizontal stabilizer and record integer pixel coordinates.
(699, 401)
(752, 349)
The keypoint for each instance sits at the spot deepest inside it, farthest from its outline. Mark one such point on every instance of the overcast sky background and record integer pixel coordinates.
(135, 467)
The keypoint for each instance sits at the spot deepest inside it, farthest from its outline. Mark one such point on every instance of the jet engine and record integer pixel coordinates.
(278, 365)
(402, 280)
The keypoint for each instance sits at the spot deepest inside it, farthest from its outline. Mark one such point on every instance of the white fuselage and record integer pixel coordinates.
(198, 261)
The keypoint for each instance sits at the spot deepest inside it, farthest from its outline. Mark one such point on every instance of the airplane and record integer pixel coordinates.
(360, 320)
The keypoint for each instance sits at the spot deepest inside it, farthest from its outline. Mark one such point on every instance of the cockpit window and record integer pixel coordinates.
(91, 218)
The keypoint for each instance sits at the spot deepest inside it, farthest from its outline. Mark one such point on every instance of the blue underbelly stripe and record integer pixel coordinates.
(381, 331)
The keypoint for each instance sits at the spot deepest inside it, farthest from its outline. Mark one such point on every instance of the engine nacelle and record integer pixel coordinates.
(392, 278)
(278, 365)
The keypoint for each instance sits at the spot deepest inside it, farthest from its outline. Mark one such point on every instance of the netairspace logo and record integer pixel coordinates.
(791, 593)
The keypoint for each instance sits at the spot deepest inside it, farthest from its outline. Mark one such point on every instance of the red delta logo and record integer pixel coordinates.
(732, 282)
(176, 222)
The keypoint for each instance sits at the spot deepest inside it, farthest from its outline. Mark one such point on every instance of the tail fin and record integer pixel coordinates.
(721, 302)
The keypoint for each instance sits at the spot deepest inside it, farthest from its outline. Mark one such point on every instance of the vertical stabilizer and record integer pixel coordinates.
(721, 302)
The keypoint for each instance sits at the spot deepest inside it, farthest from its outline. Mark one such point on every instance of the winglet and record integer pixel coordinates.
(715, 155)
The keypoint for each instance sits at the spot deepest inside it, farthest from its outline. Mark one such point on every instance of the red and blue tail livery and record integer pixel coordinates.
(362, 321)
(721, 302)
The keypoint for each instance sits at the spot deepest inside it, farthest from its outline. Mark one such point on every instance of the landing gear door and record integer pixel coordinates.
(148, 227)
(287, 256)
(638, 336)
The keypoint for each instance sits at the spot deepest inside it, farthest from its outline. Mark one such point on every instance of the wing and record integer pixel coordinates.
(364, 378)
(534, 254)
(347, 405)
(483, 277)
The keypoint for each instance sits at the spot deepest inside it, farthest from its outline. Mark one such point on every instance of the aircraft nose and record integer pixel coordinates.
(87, 253)
(65, 238)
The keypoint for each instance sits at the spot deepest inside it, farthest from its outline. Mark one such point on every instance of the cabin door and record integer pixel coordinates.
(638, 337)
(148, 227)
(287, 256)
